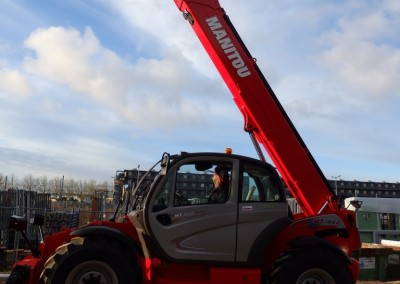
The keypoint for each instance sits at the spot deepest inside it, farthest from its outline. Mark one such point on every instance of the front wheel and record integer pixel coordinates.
(312, 265)
(90, 261)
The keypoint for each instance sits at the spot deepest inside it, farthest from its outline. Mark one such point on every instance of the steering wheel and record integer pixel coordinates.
(180, 200)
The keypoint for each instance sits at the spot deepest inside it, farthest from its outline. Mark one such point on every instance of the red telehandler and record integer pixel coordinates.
(176, 232)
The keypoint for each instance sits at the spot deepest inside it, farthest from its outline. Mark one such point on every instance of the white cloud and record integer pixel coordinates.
(361, 51)
(63, 55)
(366, 67)
(161, 20)
(14, 82)
(148, 93)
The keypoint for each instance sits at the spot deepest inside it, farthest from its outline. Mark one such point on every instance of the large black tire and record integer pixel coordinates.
(311, 265)
(91, 261)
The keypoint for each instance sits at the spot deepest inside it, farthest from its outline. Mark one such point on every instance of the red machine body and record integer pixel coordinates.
(249, 237)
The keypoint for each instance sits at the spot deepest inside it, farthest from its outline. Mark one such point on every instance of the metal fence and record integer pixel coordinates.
(56, 215)
(22, 203)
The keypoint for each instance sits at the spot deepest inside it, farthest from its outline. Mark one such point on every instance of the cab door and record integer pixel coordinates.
(186, 225)
(261, 202)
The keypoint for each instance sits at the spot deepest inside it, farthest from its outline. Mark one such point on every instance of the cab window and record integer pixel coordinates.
(260, 184)
(197, 183)
(162, 199)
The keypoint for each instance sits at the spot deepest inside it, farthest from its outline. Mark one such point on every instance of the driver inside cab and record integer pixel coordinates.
(220, 179)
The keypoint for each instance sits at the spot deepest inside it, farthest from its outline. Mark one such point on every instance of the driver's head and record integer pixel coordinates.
(218, 177)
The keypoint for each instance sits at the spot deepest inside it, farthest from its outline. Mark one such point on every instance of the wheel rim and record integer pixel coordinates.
(315, 276)
(92, 272)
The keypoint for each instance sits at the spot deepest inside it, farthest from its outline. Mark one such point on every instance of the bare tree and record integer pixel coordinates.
(71, 187)
(56, 186)
(43, 184)
(81, 190)
(90, 188)
(14, 183)
(2, 181)
(30, 182)
(110, 186)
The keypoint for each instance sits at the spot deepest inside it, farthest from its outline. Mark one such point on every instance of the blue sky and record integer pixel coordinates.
(89, 87)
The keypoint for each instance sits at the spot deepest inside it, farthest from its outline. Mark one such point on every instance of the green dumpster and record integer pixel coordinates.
(393, 268)
(373, 262)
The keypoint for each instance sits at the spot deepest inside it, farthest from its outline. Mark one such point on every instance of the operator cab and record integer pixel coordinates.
(188, 225)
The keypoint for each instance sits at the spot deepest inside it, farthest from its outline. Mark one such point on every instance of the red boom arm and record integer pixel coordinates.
(263, 115)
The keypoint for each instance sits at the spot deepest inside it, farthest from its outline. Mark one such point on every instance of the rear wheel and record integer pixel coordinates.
(311, 266)
(90, 261)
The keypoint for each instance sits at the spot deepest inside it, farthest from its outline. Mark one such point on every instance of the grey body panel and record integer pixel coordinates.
(253, 219)
(221, 232)
(200, 232)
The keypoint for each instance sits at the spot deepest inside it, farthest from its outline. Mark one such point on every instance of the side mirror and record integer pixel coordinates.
(356, 204)
(38, 220)
(18, 223)
(164, 164)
